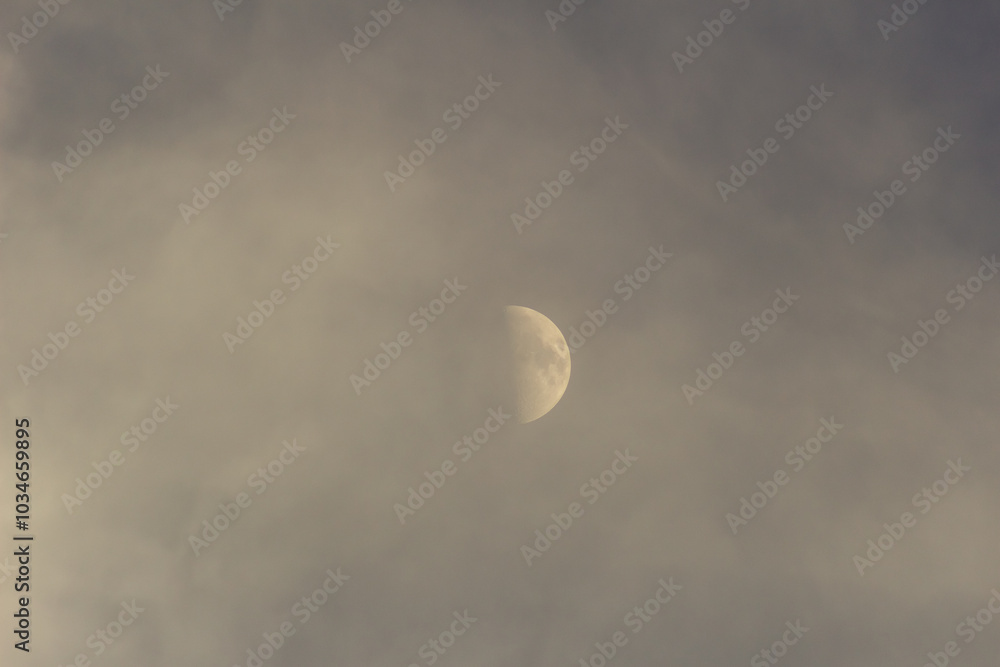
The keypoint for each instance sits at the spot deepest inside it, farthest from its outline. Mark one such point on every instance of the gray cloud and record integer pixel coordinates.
(324, 176)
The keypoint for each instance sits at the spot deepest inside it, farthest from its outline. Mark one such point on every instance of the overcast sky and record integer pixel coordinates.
(214, 215)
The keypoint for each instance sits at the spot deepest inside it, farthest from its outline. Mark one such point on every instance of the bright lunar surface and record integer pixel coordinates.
(539, 356)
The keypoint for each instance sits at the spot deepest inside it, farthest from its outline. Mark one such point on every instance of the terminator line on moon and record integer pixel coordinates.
(540, 366)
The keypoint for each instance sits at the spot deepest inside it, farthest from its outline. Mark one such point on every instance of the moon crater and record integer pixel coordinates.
(539, 362)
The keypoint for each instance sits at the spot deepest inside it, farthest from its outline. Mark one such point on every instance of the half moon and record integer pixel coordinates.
(539, 362)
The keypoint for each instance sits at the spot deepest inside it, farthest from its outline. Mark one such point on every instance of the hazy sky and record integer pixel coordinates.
(214, 215)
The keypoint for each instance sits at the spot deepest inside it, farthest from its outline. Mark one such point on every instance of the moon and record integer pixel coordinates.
(539, 362)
